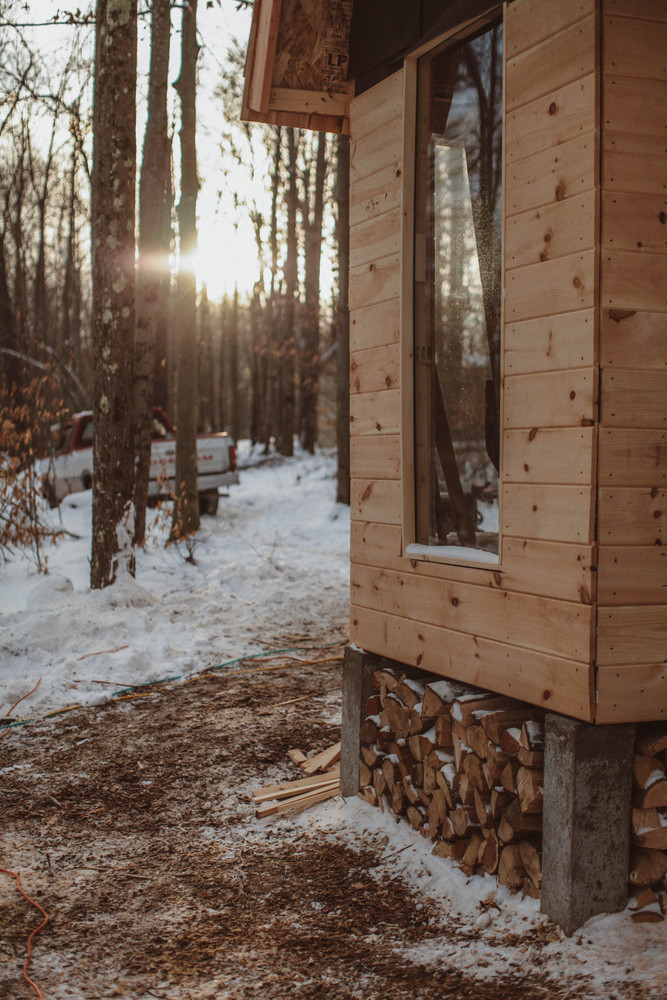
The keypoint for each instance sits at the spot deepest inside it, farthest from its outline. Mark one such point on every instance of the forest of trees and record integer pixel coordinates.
(98, 300)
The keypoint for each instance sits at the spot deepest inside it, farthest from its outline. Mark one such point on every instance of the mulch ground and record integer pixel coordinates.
(129, 824)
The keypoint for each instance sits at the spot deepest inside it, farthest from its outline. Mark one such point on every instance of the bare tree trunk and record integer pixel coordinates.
(234, 375)
(113, 220)
(41, 311)
(287, 320)
(343, 319)
(162, 370)
(186, 506)
(16, 225)
(271, 332)
(152, 274)
(205, 364)
(65, 339)
(257, 362)
(310, 352)
(9, 363)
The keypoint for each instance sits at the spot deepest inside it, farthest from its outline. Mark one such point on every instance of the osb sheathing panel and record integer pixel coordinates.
(312, 47)
(296, 69)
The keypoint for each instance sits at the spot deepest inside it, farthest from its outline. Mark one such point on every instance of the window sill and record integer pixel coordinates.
(455, 554)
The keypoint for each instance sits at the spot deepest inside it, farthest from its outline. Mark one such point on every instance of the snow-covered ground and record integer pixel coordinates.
(272, 563)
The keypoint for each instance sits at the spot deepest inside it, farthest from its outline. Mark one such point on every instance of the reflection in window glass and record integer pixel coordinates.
(458, 218)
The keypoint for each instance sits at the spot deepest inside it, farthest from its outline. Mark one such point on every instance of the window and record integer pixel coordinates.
(457, 295)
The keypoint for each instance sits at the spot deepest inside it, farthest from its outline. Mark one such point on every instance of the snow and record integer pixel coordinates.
(273, 561)
(272, 564)
(593, 963)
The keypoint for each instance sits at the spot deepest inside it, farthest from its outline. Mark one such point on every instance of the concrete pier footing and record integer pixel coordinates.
(586, 834)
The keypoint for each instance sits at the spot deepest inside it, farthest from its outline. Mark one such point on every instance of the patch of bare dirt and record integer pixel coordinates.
(129, 825)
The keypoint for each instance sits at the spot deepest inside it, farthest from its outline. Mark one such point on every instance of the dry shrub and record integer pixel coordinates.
(27, 414)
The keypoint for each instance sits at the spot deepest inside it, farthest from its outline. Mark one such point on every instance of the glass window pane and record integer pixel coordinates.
(458, 260)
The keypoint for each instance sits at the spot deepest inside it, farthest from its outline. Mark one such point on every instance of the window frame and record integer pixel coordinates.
(413, 257)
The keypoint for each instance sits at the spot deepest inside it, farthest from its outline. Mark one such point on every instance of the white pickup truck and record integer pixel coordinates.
(70, 468)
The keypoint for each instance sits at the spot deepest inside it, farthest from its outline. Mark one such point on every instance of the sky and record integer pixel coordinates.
(227, 253)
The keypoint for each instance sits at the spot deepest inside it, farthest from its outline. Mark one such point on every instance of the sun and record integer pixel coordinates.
(226, 257)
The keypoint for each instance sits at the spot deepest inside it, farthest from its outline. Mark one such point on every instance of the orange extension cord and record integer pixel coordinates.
(44, 922)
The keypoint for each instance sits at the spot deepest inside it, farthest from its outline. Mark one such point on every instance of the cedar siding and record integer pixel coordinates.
(574, 616)
(631, 656)
(527, 626)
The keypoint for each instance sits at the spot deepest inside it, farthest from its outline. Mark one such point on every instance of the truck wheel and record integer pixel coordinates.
(49, 493)
(208, 503)
(87, 481)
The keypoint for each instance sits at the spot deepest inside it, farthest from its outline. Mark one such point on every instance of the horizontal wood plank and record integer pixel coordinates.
(551, 120)
(655, 10)
(308, 101)
(529, 566)
(372, 152)
(376, 544)
(375, 325)
(551, 681)
(630, 457)
(377, 105)
(556, 60)
(634, 692)
(551, 231)
(633, 163)
(633, 398)
(635, 47)
(376, 194)
(632, 634)
(550, 399)
(379, 237)
(375, 413)
(549, 513)
(634, 106)
(549, 455)
(375, 369)
(375, 282)
(529, 22)
(298, 119)
(376, 500)
(375, 457)
(632, 516)
(632, 574)
(549, 176)
(635, 221)
(555, 286)
(632, 339)
(537, 623)
(550, 569)
(634, 281)
(550, 343)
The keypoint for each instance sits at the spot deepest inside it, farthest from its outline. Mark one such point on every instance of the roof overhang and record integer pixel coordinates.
(297, 64)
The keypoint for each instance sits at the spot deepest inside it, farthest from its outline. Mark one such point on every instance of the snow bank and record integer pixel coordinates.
(272, 564)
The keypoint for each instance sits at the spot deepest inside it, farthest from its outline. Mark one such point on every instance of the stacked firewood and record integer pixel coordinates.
(463, 766)
(648, 860)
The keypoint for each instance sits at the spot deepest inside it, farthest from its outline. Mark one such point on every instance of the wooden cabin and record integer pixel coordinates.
(508, 298)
